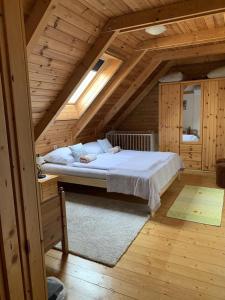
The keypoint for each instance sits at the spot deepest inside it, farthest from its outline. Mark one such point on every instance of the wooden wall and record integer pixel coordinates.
(59, 134)
(147, 112)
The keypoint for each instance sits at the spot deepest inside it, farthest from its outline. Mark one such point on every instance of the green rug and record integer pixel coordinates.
(198, 204)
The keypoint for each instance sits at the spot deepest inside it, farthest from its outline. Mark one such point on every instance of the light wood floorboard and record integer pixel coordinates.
(170, 259)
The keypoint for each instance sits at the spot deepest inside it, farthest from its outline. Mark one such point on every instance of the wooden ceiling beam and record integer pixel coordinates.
(183, 40)
(175, 12)
(165, 68)
(107, 92)
(152, 65)
(90, 59)
(188, 52)
(37, 21)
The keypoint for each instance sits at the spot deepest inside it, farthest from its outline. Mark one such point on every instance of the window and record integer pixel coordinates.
(84, 84)
(90, 87)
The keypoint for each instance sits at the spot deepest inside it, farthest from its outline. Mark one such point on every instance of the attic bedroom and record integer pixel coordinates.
(112, 149)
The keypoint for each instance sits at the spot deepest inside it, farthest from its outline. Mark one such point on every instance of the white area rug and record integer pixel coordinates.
(101, 229)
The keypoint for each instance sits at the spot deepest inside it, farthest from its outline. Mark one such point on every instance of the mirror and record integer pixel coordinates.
(191, 113)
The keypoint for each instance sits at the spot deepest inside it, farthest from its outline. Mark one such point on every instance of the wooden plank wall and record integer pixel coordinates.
(147, 111)
(59, 134)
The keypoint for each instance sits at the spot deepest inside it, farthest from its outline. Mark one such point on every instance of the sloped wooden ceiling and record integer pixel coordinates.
(72, 29)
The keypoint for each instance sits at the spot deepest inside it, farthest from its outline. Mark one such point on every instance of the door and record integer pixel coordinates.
(220, 142)
(169, 118)
(210, 115)
(21, 248)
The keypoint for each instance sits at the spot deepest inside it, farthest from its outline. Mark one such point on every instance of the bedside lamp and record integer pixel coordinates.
(40, 161)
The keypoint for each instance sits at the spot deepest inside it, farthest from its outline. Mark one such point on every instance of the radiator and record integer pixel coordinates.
(133, 140)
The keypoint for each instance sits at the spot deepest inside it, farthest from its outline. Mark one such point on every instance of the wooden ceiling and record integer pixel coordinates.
(63, 47)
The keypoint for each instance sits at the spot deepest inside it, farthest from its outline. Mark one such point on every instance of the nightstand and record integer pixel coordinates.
(53, 212)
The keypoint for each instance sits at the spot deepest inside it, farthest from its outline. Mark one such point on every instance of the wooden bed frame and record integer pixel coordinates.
(102, 182)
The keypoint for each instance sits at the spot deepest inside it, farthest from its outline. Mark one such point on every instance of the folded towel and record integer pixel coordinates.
(87, 158)
(114, 149)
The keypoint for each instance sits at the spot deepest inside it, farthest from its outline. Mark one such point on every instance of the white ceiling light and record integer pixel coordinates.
(156, 30)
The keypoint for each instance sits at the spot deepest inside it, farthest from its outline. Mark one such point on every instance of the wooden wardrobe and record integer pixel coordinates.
(208, 142)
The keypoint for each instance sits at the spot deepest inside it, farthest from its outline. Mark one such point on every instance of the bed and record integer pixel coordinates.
(145, 174)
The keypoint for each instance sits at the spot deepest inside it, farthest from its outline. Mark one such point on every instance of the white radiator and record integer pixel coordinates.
(133, 140)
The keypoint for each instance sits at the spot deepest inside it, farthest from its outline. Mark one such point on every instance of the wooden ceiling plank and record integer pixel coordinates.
(37, 21)
(166, 14)
(153, 64)
(183, 40)
(165, 68)
(197, 51)
(107, 92)
(96, 51)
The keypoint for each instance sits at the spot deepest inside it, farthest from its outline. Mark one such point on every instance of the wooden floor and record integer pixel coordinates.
(170, 259)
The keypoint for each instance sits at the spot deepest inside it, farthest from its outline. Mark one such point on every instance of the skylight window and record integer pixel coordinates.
(85, 83)
(90, 87)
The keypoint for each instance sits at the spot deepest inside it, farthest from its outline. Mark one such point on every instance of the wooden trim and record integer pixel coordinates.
(37, 21)
(142, 94)
(83, 180)
(18, 118)
(102, 182)
(107, 92)
(184, 40)
(183, 10)
(153, 64)
(90, 59)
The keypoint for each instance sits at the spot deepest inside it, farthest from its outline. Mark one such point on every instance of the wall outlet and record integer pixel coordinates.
(55, 147)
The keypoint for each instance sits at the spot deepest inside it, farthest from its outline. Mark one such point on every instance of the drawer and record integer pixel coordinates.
(196, 156)
(194, 165)
(190, 148)
(49, 189)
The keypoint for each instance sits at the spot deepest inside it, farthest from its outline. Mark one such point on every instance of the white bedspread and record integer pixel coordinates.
(134, 172)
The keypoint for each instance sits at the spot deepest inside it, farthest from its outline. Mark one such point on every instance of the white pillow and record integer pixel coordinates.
(217, 73)
(172, 77)
(105, 145)
(77, 151)
(61, 156)
(93, 148)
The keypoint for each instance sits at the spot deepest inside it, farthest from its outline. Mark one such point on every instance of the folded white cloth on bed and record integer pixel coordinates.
(114, 150)
(88, 158)
(136, 176)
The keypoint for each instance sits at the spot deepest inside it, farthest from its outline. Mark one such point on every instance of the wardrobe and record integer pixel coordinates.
(192, 121)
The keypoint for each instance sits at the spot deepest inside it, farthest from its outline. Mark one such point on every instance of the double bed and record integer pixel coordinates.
(145, 174)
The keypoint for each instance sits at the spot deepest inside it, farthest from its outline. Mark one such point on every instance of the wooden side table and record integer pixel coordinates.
(53, 212)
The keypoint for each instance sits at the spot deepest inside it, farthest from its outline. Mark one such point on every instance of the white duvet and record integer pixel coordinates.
(126, 159)
(137, 173)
